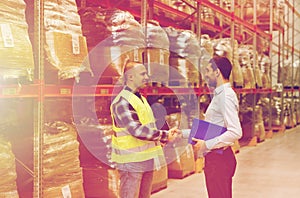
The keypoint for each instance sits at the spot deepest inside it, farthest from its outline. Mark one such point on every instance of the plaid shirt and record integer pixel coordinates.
(126, 117)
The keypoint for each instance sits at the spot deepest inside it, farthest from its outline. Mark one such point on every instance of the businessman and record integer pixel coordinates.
(220, 161)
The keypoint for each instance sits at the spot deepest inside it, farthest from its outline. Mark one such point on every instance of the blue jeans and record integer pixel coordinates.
(136, 179)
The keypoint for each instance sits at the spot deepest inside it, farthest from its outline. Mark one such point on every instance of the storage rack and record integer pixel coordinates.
(38, 90)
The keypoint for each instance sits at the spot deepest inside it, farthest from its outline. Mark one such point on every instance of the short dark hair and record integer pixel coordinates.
(223, 64)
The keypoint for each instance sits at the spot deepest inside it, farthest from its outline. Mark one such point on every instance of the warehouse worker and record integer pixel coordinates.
(220, 161)
(136, 141)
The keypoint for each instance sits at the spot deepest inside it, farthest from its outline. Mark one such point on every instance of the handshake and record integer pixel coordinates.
(174, 133)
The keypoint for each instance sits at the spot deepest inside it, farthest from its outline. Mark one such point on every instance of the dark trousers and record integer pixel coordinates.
(219, 169)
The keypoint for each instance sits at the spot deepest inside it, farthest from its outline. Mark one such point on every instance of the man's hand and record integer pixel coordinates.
(200, 145)
(173, 134)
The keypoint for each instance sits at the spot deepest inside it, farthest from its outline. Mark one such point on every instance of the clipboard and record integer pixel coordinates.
(204, 130)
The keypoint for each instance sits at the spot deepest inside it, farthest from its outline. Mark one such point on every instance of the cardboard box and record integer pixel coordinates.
(101, 181)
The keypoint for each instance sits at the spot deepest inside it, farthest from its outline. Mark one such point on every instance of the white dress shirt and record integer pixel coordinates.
(223, 110)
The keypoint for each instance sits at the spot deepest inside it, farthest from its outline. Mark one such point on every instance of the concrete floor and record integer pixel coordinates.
(271, 169)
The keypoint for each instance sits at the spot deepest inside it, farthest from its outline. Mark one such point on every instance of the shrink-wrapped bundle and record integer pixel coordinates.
(65, 46)
(296, 76)
(254, 62)
(223, 47)
(247, 68)
(265, 65)
(157, 53)
(62, 16)
(100, 177)
(156, 36)
(101, 181)
(125, 29)
(185, 53)
(94, 26)
(61, 166)
(117, 37)
(95, 142)
(15, 48)
(183, 43)
(207, 52)
(290, 73)
(8, 186)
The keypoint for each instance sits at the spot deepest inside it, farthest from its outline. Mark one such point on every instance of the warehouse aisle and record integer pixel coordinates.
(269, 170)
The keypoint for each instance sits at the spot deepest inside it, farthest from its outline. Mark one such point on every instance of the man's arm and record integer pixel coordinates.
(126, 117)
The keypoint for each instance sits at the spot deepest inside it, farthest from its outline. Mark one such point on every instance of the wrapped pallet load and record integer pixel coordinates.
(61, 174)
(229, 48)
(15, 48)
(247, 68)
(157, 53)
(207, 52)
(179, 154)
(65, 46)
(8, 186)
(184, 57)
(290, 73)
(117, 37)
(265, 65)
(100, 178)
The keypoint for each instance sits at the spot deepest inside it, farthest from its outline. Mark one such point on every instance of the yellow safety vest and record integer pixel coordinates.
(127, 148)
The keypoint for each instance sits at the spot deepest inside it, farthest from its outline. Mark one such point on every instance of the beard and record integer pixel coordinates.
(211, 83)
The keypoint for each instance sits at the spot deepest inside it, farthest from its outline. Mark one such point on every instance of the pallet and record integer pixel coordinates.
(269, 134)
(249, 141)
(279, 129)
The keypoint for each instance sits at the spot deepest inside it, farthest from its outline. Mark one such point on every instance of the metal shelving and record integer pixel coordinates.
(39, 91)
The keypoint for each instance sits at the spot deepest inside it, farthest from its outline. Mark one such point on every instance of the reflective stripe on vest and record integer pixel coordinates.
(127, 148)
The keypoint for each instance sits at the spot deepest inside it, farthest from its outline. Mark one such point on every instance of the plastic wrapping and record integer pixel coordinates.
(125, 29)
(62, 16)
(156, 36)
(223, 47)
(247, 68)
(95, 143)
(290, 73)
(72, 189)
(65, 47)
(117, 35)
(185, 53)
(8, 186)
(93, 25)
(264, 63)
(61, 165)
(183, 43)
(15, 48)
(67, 53)
(101, 181)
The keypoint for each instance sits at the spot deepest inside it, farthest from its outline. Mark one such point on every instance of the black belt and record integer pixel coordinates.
(219, 150)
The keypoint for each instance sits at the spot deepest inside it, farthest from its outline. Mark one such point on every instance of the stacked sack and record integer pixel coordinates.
(65, 46)
(247, 68)
(265, 65)
(157, 53)
(179, 154)
(15, 48)
(122, 38)
(61, 174)
(207, 52)
(8, 186)
(184, 58)
(223, 47)
(290, 73)
(100, 178)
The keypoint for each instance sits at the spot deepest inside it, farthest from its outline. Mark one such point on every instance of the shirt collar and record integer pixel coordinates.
(137, 93)
(219, 89)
